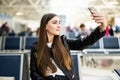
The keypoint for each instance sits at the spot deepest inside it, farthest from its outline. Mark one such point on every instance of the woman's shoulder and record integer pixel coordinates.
(63, 37)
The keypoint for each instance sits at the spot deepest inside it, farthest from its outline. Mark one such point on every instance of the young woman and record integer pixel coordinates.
(50, 56)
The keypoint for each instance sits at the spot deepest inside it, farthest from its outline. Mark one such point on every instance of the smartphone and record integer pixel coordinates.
(92, 9)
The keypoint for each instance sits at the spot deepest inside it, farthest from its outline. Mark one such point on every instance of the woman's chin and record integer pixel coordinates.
(57, 34)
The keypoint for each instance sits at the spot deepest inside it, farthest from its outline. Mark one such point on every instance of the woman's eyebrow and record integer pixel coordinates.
(56, 20)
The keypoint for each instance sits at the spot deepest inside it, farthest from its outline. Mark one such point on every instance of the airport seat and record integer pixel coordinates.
(96, 48)
(96, 45)
(111, 45)
(28, 41)
(12, 43)
(14, 65)
(76, 61)
(0, 43)
(6, 78)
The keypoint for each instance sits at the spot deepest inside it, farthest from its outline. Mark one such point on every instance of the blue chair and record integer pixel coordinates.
(10, 65)
(0, 43)
(111, 45)
(28, 41)
(14, 65)
(12, 43)
(96, 45)
(96, 48)
(76, 61)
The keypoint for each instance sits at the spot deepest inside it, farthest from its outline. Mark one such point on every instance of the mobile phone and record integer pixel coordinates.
(92, 9)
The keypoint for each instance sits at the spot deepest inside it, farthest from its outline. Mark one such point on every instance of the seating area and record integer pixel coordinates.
(12, 43)
(20, 60)
(9, 47)
(13, 66)
(28, 41)
(16, 43)
(106, 45)
(16, 65)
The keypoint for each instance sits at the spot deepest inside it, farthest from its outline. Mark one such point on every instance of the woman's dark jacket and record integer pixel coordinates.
(78, 44)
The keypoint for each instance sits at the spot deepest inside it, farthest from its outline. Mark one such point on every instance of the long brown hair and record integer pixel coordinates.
(60, 54)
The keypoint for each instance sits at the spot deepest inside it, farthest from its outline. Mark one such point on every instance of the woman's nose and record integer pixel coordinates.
(59, 25)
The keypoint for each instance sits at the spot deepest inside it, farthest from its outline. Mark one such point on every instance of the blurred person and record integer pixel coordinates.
(83, 31)
(12, 33)
(116, 28)
(76, 31)
(4, 29)
(109, 30)
(68, 28)
(70, 32)
(28, 32)
(50, 57)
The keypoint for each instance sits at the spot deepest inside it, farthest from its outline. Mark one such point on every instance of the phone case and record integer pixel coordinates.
(92, 9)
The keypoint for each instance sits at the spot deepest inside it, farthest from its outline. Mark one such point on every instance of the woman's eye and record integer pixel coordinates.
(54, 22)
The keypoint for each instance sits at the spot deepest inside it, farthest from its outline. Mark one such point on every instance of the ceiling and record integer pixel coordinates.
(34, 9)
(27, 9)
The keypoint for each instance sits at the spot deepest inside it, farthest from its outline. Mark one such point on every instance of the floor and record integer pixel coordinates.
(92, 71)
(97, 74)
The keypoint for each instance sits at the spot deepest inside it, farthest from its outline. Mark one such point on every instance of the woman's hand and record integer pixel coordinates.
(100, 18)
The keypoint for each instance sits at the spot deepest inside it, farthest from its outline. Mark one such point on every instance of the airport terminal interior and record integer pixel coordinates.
(21, 19)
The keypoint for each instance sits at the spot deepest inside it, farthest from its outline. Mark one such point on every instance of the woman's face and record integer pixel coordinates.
(53, 26)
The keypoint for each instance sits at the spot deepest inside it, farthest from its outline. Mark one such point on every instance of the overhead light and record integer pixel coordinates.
(114, 2)
(19, 13)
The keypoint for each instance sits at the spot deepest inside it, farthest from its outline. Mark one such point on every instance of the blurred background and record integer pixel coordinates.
(21, 14)
(21, 18)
